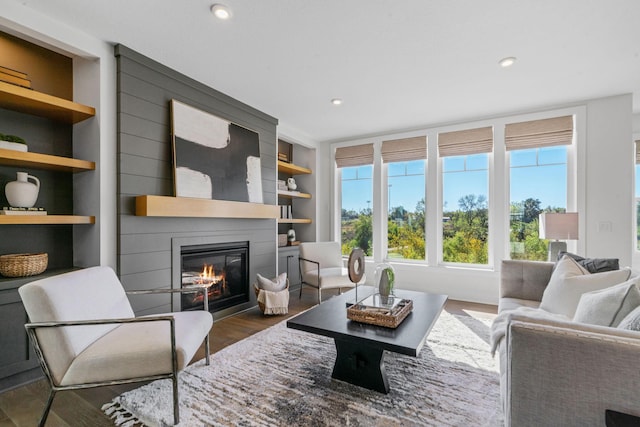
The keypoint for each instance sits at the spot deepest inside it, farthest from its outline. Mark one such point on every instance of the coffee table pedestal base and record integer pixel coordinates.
(360, 365)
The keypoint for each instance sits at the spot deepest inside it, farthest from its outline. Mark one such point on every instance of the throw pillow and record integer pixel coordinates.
(607, 307)
(632, 321)
(274, 285)
(569, 281)
(593, 265)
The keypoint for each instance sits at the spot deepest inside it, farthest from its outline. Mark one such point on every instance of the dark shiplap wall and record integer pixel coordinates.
(145, 88)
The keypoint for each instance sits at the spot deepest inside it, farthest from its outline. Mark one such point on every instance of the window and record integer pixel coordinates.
(538, 180)
(638, 194)
(465, 213)
(356, 220)
(405, 160)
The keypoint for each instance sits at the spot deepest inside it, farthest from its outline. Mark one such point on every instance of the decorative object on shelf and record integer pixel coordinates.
(291, 184)
(12, 142)
(385, 279)
(291, 236)
(283, 157)
(282, 240)
(214, 158)
(22, 193)
(23, 265)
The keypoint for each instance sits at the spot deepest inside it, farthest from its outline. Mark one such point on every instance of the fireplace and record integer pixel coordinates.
(222, 267)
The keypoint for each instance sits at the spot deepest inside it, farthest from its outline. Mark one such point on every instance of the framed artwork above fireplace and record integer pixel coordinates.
(214, 158)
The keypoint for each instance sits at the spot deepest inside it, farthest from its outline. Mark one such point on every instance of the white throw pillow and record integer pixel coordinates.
(632, 321)
(569, 281)
(607, 307)
(274, 285)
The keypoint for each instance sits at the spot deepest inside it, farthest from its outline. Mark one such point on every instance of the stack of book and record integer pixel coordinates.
(22, 211)
(17, 78)
(284, 157)
(282, 185)
(285, 212)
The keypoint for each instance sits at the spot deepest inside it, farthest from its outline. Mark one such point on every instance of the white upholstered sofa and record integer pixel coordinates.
(554, 371)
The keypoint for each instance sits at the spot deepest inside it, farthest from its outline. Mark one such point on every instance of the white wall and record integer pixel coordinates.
(23, 22)
(602, 193)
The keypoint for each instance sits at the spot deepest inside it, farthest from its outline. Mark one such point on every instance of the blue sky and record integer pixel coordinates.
(547, 181)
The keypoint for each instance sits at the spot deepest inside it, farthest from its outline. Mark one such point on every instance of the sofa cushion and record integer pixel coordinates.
(509, 304)
(593, 265)
(569, 281)
(631, 321)
(607, 307)
(274, 285)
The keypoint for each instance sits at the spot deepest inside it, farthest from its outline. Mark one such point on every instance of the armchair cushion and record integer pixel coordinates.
(139, 349)
(330, 278)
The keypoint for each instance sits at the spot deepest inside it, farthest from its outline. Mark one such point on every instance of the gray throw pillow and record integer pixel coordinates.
(632, 321)
(593, 265)
(274, 285)
(609, 306)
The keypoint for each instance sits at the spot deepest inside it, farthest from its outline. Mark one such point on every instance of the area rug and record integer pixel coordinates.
(282, 377)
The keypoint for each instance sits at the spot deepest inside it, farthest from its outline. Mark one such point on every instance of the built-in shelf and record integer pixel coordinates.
(46, 219)
(292, 169)
(293, 194)
(167, 206)
(44, 161)
(29, 101)
(294, 221)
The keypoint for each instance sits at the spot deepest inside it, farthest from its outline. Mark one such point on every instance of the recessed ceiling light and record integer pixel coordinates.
(336, 101)
(221, 11)
(507, 62)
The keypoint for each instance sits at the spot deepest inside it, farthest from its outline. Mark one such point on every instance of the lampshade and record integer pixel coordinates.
(559, 226)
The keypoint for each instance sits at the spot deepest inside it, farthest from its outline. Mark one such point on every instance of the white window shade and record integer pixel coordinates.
(404, 150)
(638, 152)
(356, 155)
(539, 133)
(466, 142)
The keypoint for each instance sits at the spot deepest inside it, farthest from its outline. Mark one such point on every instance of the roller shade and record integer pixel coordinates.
(356, 155)
(466, 142)
(638, 152)
(539, 133)
(404, 150)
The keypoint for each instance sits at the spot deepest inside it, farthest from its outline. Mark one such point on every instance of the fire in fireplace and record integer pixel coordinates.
(222, 267)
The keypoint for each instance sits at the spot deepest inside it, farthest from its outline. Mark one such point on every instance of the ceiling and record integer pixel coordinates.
(397, 64)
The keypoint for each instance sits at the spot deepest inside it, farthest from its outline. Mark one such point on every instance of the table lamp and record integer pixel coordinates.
(555, 227)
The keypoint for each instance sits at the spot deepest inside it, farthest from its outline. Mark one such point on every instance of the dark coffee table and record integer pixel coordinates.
(360, 347)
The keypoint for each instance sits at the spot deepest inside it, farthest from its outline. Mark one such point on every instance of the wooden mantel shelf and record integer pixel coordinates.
(167, 206)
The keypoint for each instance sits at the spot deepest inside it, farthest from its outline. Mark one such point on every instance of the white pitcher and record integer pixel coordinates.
(22, 193)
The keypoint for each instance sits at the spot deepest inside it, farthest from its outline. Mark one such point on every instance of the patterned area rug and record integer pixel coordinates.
(282, 377)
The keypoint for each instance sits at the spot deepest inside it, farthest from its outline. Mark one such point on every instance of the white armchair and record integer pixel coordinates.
(85, 334)
(322, 267)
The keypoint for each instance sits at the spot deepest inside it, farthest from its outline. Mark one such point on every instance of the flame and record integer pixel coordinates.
(208, 275)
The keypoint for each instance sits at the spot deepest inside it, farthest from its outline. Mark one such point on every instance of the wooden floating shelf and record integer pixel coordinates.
(46, 219)
(292, 169)
(294, 221)
(167, 206)
(29, 101)
(44, 161)
(293, 194)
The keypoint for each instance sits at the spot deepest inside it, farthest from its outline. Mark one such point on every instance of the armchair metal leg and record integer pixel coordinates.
(45, 414)
(176, 404)
(300, 296)
(206, 350)
(319, 295)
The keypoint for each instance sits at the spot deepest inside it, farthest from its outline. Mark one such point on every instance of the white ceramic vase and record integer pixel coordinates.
(22, 193)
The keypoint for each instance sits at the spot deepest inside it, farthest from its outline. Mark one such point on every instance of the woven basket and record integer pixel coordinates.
(23, 265)
(256, 289)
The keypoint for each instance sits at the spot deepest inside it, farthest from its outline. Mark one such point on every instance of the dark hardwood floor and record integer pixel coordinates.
(23, 406)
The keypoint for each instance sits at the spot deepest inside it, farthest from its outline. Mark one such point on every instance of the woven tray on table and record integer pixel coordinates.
(380, 316)
(23, 265)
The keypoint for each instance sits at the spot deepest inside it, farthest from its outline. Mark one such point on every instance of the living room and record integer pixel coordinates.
(592, 79)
